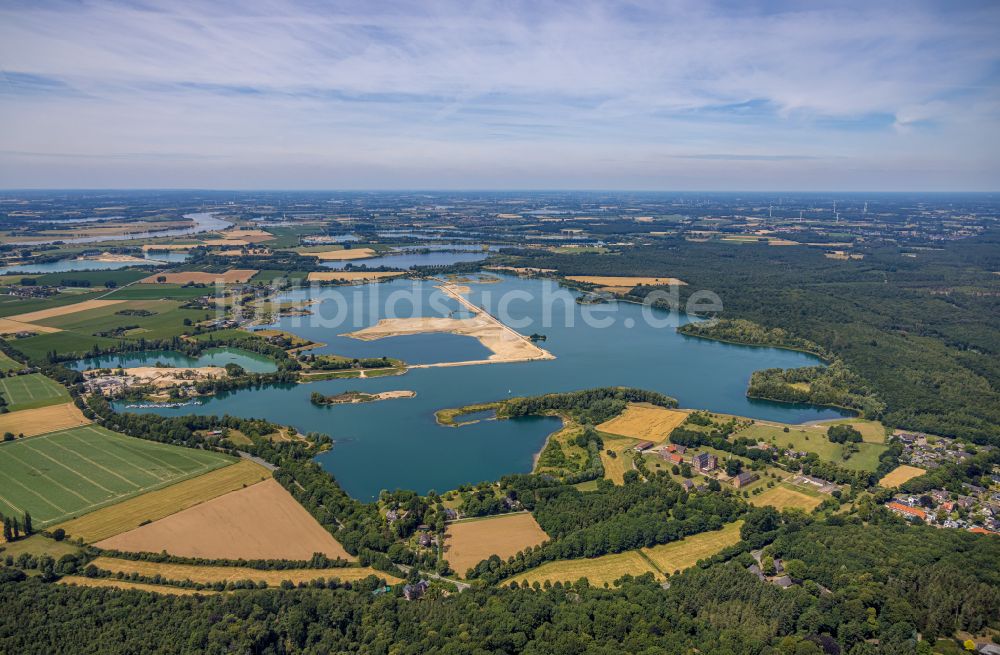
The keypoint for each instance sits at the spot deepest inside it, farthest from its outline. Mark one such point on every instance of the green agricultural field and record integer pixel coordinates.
(61, 475)
(8, 364)
(37, 348)
(31, 391)
(11, 305)
(95, 279)
(166, 319)
(156, 291)
(267, 276)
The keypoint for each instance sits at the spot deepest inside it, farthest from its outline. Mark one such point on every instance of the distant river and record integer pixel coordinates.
(203, 222)
(397, 443)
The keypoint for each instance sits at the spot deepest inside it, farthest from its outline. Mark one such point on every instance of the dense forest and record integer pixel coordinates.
(922, 331)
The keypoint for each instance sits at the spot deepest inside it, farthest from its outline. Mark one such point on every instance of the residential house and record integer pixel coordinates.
(415, 591)
(903, 510)
(705, 461)
(745, 478)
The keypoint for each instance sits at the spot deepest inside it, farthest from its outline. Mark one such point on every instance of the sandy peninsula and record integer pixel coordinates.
(506, 344)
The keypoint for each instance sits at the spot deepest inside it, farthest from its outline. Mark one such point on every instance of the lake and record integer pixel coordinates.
(398, 444)
(203, 222)
(409, 260)
(212, 357)
(66, 265)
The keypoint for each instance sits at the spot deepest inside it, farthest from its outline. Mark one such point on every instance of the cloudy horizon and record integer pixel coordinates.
(450, 95)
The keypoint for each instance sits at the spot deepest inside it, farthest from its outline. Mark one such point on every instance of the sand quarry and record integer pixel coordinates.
(506, 344)
(262, 521)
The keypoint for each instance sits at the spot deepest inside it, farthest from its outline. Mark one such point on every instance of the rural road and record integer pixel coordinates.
(462, 586)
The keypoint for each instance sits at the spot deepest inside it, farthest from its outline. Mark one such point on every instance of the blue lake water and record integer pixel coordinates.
(65, 265)
(398, 444)
(212, 357)
(203, 222)
(409, 260)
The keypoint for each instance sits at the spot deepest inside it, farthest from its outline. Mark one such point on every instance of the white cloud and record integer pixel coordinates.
(409, 90)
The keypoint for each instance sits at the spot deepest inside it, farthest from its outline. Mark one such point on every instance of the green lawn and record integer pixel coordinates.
(38, 545)
(31, 391)
(8, 364)
(813, 439)
(65, 474)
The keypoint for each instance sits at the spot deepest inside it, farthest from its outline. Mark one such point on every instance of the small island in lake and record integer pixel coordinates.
(351, 397)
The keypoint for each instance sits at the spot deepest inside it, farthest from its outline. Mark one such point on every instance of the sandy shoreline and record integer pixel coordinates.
(506, 344)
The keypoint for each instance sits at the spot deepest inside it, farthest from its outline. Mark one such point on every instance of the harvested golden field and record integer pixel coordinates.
(598, 570)
(62, 311)
(232, 276)
(81, 581)
(7, 326)
(158, 504)
(623, 281)
(351, 276)
(260, 522)
(32, 422)
(645, 422)
(211, 574)
(615, 467)
(783, 497)
(899, 475)
(343, 254)
(251, 236)
(683, 554)
(470, 542)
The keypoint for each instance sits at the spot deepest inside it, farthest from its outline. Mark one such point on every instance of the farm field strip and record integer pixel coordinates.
(645, 422)
(899, 475)
(786, 495)
(598, 570)
(661, 560)
(127, 585)
(32, 422)
(31, 391)
(156, 505)
(212, 574)
(88, 467)
(43, 314)
(262, 521)
(683, 554)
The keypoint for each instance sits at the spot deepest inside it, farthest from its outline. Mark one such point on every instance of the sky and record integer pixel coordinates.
(435, 94)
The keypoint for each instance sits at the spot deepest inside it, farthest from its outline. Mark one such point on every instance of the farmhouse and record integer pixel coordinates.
(705, 461)
(675, 458)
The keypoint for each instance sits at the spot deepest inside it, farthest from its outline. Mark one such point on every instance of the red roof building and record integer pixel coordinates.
(900, 508)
